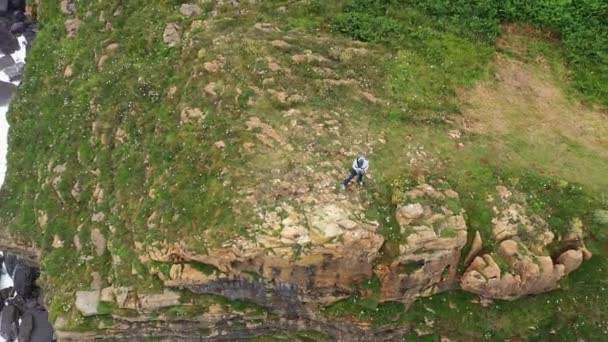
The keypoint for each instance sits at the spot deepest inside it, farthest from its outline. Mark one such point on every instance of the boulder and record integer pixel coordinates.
(6, 61)
(476, 247)
(19, 15)
(15, 71)
(4, 7)
(408, 213)
(99, 241)
(171, 35)
(24, 278)
(26, 327)
(18, 28)
(8, 42)
(17, 5)
(68, 7)
(159, 300)
(9, 322)
(6, 92)
(87, 302)
(72, 26)
(190, 10)
(571, 259)
(42, 328)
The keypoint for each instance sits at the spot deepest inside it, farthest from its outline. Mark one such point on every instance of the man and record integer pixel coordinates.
(360, 166)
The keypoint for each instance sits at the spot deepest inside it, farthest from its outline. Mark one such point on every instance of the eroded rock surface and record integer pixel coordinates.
(432, 239)
(522, 265)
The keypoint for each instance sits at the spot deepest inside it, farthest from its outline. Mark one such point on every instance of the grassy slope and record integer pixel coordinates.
(419, 78)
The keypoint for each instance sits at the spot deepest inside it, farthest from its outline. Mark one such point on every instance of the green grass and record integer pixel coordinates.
(167, 181)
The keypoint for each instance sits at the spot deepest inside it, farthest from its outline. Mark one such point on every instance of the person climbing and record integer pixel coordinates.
(359, 168)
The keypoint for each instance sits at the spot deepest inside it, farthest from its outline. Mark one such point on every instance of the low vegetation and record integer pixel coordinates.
(409, 83)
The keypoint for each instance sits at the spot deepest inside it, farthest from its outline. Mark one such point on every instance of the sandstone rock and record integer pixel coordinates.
(220, 145)
(508, 248)
(171, 35)
(160, 300)
(96, 282)
(571, 259)
(77, 243)
(67, 7)
(527, 274)
(99, 241)
(43, 219)
(265, 27)
(280, 44)
(57, 243)
(72, 26)
(102, 61)
(192, 115)
(213, 67)
(98, 217)
(190, 10)
(87, 302)
(69, 72)
(210, 89)
(476, 247)
(428, 261)
(503, 192)
(107, 294)
(408, 213)
(121, 136)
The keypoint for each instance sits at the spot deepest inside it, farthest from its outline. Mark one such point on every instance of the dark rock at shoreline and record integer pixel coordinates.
(19, 16)
(15, 72)
(6, 91)
(18, 27)
(8, 42)
(35, 324)
(9, 318)
(24, 279)
(6, 61)
(4, 295)
(10, 261)
(4, 7)
(17, 5)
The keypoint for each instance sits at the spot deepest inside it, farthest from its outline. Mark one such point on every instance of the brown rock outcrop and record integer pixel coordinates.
(430, 253)
(521, 264)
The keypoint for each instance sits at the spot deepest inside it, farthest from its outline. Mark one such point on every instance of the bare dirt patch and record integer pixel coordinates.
(530, 116)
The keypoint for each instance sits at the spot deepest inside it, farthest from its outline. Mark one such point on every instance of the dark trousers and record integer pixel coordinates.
(353, 174)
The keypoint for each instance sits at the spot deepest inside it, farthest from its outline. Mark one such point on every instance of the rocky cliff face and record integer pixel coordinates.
(522, 265)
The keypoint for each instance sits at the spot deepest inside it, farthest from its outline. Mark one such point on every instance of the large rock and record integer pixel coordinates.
(4, 7)
(15, 71)
(429, 254)
(6, 61)
(99, 241)
(171, 35)
(9, 322)
(87, 302)
(157, 301)
(6, 92)
(17, 5)
(571, 259)
(526, 273)
(476, 247)
(521, 265)
(24, 278)
(72, 26)
(190, 10)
